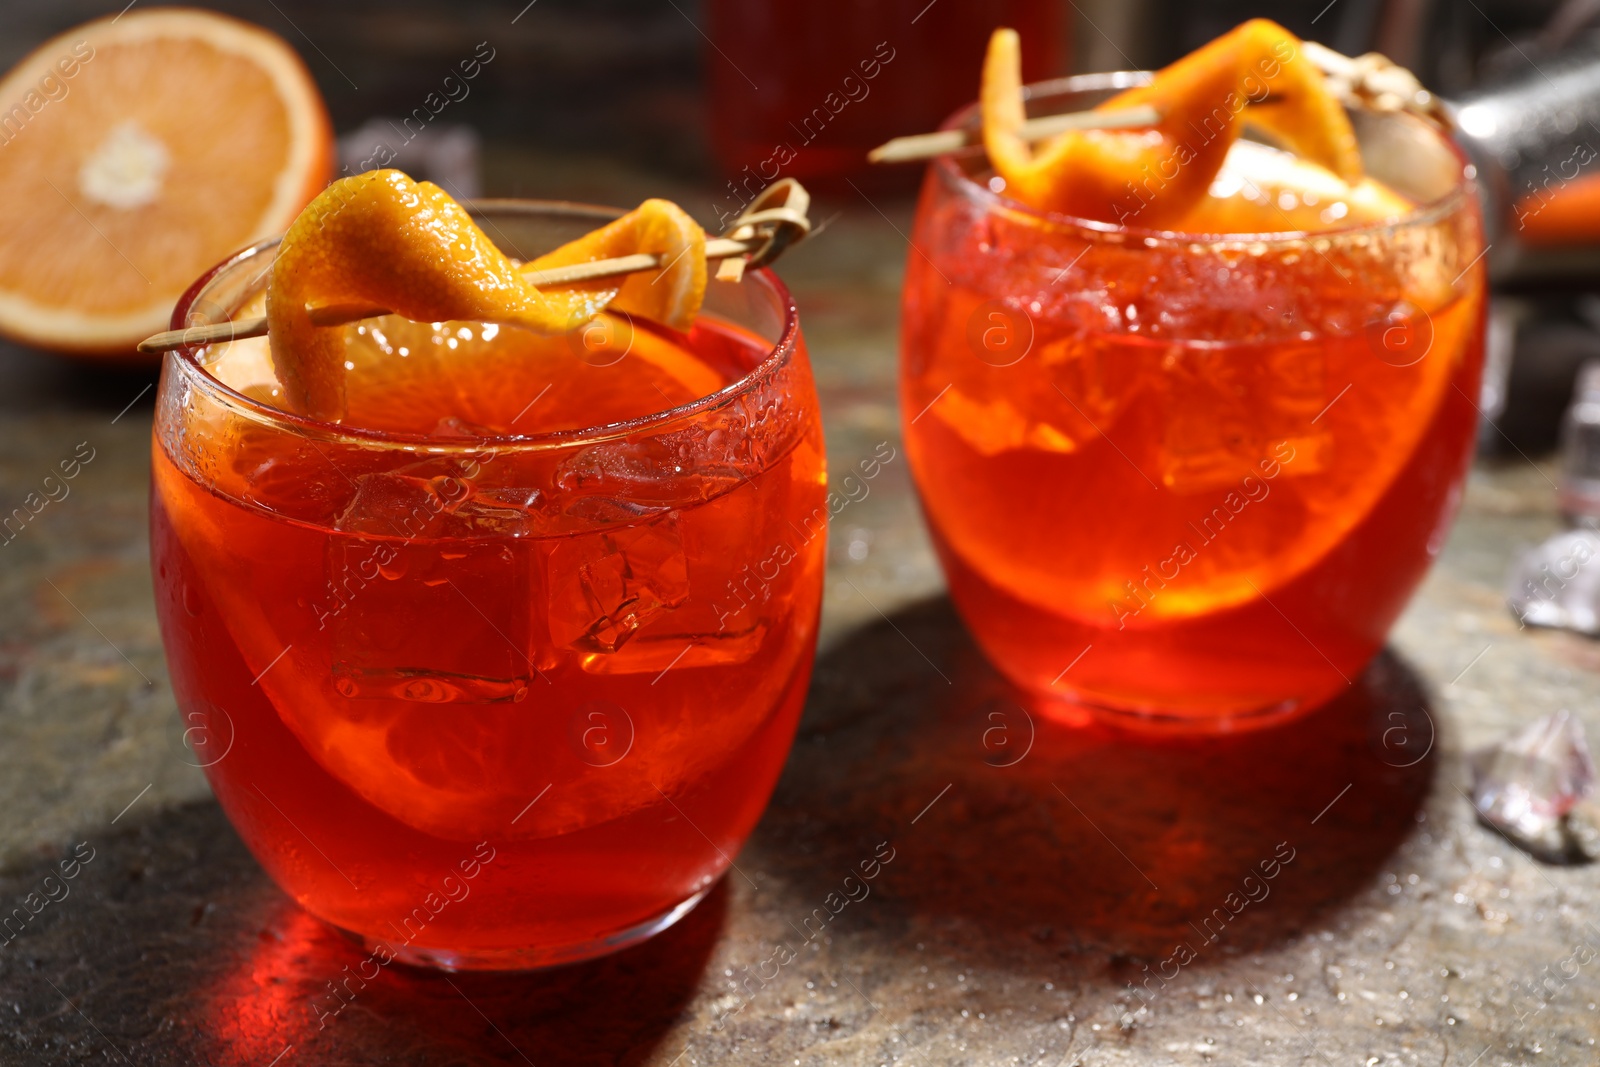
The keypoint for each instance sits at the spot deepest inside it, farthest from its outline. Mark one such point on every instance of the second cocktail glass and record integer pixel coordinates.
(1183, 480)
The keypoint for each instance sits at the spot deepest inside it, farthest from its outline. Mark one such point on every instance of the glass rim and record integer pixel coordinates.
(949, 170)
(185, 360)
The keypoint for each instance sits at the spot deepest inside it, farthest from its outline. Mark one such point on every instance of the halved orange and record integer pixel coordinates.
(137, 151)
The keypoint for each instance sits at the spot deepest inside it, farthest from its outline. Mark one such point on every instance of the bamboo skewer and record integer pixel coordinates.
(1371, 79)
(923, 146)
(775, 219)
(340, 314)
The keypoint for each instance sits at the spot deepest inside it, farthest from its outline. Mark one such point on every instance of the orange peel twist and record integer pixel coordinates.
(384, 240)
(1152, 177)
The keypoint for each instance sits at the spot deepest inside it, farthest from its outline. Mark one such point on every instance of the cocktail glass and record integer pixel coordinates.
(486, 699)
(1189, 481)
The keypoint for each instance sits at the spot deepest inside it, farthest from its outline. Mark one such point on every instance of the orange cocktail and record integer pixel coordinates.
(1193, 477)
(480, 670)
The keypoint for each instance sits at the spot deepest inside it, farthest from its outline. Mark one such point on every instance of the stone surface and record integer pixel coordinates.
(1036, 873)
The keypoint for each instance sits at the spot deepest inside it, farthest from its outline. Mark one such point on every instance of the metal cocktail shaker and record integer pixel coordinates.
(1532, 138)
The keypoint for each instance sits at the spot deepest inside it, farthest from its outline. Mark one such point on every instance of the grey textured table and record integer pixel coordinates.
(1022, 902)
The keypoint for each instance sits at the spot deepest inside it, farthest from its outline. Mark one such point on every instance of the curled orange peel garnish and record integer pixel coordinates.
(381, 239)
(1152, 177)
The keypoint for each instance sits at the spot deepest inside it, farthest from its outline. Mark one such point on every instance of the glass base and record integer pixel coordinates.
(1080, 709)
(532, 959)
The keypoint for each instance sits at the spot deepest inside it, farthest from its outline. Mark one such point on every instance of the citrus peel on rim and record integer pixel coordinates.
(1152, 177)
(382, 239)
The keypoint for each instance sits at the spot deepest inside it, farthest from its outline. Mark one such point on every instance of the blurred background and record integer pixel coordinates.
(708, 100)
(641, 80)
(663, 83)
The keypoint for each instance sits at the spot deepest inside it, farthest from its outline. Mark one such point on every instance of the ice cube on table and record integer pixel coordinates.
(1579, 492)
(1528, 785)
(1557, 583)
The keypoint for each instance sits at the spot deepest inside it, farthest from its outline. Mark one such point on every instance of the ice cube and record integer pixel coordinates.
(605, 585)
(666, 470)
(427, 622)
(402, 505)
(1527, 785)
(433, 502)
(1558, 584)
(508, 511)
(658, 654)
(994, 426)
(1227, 407)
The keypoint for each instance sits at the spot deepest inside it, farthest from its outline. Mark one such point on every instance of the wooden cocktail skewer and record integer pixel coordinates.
(340, 314)
(1371, 79)
(928, 145)
(773, 221)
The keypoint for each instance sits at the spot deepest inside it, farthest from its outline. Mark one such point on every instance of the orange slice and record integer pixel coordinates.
(381, 239)
(1264, 190)
(1152, 177)
(135, 153)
